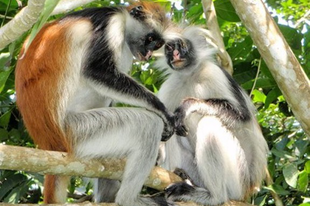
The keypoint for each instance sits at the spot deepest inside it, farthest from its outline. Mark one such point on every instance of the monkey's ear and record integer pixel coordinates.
(138, 13)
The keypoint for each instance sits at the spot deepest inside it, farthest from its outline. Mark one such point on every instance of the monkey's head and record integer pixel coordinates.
(185, 49)
(154, 21)
(143, 43)
(151, 14)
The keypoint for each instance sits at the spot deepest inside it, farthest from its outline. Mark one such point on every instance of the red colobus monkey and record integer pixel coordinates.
(221, 149)
(67, 79)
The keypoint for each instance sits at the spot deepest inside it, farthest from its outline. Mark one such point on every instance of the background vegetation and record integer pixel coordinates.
(288, 161)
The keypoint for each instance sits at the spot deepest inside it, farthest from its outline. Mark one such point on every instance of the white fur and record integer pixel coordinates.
(217, 158)
(99, 131)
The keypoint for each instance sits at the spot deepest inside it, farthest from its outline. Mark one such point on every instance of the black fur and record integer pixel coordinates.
(137, 13)
(100, 65)
(185, 49)
(179, 189)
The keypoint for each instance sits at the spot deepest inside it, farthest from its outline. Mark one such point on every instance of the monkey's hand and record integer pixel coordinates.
(169, 127)
(137, 13)
(180, 128)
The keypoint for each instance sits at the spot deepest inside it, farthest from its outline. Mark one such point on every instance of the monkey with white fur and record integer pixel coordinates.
(67, 79)
(219, 144)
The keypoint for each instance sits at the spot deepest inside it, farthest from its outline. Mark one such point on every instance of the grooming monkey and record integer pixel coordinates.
(67, 79)
(219, 144)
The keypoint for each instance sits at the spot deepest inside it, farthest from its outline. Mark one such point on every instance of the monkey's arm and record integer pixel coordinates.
(221, 108)
(121, 87)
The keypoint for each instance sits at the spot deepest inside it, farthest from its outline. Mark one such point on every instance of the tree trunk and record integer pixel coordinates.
(278, 56)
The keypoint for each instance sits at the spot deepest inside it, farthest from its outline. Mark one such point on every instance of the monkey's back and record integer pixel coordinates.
(44, 75)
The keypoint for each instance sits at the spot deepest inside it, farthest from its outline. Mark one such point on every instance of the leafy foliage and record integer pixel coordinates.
(288, 161)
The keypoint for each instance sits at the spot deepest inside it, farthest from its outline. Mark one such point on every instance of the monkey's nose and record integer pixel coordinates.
(176, 54)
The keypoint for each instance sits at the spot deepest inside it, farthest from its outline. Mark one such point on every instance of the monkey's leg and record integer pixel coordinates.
(217, 155)
(129, 133)
(105, 190)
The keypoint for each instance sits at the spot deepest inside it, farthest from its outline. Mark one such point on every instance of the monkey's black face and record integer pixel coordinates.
(179, 54)
(143, 47)
(153, 41)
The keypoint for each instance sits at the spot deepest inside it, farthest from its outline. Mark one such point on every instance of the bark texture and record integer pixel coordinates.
(50, 162)
(278, 56)
(212, 25)
(21, 23)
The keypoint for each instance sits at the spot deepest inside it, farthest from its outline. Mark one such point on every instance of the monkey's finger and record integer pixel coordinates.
(182, 131)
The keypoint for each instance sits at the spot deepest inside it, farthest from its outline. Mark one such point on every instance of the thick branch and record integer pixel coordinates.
(212, 25)
(29, 15)
(50, 162)
(277, 54)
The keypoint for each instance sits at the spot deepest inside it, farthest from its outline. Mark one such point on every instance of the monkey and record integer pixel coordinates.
(218, 142)
(69, 75)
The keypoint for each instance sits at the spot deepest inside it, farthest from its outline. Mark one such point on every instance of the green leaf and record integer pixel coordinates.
(18, 192)
(4, 58)
(48, 8)
(195, 12)
(303, 181)
(292, 36)
(272, 96)
(10, 183)
(301, 147)
(5, 119)
(242, 49)
(4, 134)
(244, 72)
(278, 189)
(265, 70)
(290, 173)
(260, 201)
(226, 11)
(4, 75)
(258, 96)
(307, 166)
(264, 83)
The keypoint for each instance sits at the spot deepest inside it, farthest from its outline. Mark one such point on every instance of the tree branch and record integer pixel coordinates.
(50, 162)
(278, 56)
(21, 23)
(29, 15)
(212, 25)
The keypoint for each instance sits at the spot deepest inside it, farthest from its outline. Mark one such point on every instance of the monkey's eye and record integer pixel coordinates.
(139, 8)
(169, 48)
(159, 44)
(182, 44)
(150, 38)
(137, 12)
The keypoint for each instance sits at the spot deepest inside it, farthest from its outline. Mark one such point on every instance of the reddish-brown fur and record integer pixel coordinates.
(40, 73)
(37, 83)
(152, 11)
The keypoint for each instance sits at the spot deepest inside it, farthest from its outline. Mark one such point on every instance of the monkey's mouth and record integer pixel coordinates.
(178, 63)
(147, 56)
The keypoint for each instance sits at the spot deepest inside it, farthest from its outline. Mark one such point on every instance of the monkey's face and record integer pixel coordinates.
(179, 54)
(143, 47)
